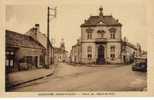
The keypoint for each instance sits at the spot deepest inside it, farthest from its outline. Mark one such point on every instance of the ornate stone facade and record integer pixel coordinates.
(101, 39)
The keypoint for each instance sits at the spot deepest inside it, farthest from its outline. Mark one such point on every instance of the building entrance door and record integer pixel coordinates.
(36, 61)
(100, 59)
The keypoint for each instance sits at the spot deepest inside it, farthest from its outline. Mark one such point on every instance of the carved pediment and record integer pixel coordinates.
(112, 30)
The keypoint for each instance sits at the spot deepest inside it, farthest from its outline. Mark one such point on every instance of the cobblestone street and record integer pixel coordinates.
(89, 78)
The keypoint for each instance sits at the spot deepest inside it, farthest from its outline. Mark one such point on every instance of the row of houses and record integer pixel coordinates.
(101, 42)
(26, 51)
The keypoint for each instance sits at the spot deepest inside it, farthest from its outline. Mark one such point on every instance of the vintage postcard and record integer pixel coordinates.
(76, 48)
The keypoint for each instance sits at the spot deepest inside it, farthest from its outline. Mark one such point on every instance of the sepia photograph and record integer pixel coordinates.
(76, 46)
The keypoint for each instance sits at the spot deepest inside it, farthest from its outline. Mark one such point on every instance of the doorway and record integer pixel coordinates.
(101, 59)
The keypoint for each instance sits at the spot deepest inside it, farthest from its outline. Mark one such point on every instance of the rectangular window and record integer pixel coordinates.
(89, 49)
(89, 35)
(112, 35)
(11, 63)
(112, 49)
(9, 59)
(7, 62)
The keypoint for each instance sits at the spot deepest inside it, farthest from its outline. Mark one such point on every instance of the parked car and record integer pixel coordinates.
(140, 64)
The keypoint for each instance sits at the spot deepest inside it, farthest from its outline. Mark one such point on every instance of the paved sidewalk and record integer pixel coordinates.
(18, 78)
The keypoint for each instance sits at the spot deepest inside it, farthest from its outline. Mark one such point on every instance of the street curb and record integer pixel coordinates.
(10, 87)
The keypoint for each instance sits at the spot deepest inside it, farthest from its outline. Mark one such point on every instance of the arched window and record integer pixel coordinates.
(101, 33)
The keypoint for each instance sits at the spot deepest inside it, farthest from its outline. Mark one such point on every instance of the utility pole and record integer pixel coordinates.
(48, 34)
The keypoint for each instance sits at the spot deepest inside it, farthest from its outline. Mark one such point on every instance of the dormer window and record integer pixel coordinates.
(101, 22)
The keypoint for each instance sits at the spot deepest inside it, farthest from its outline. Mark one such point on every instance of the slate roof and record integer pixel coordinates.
(105, 20)
(14, 39)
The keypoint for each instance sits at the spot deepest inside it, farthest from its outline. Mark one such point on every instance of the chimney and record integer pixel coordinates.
(37, 26)
(36, 29)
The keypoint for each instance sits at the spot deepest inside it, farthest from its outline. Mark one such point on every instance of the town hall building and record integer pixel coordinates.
(100, 42)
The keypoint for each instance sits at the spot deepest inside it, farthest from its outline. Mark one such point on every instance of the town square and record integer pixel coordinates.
(87, 78)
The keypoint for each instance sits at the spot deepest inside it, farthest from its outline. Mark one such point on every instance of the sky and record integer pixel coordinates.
(72, 13)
